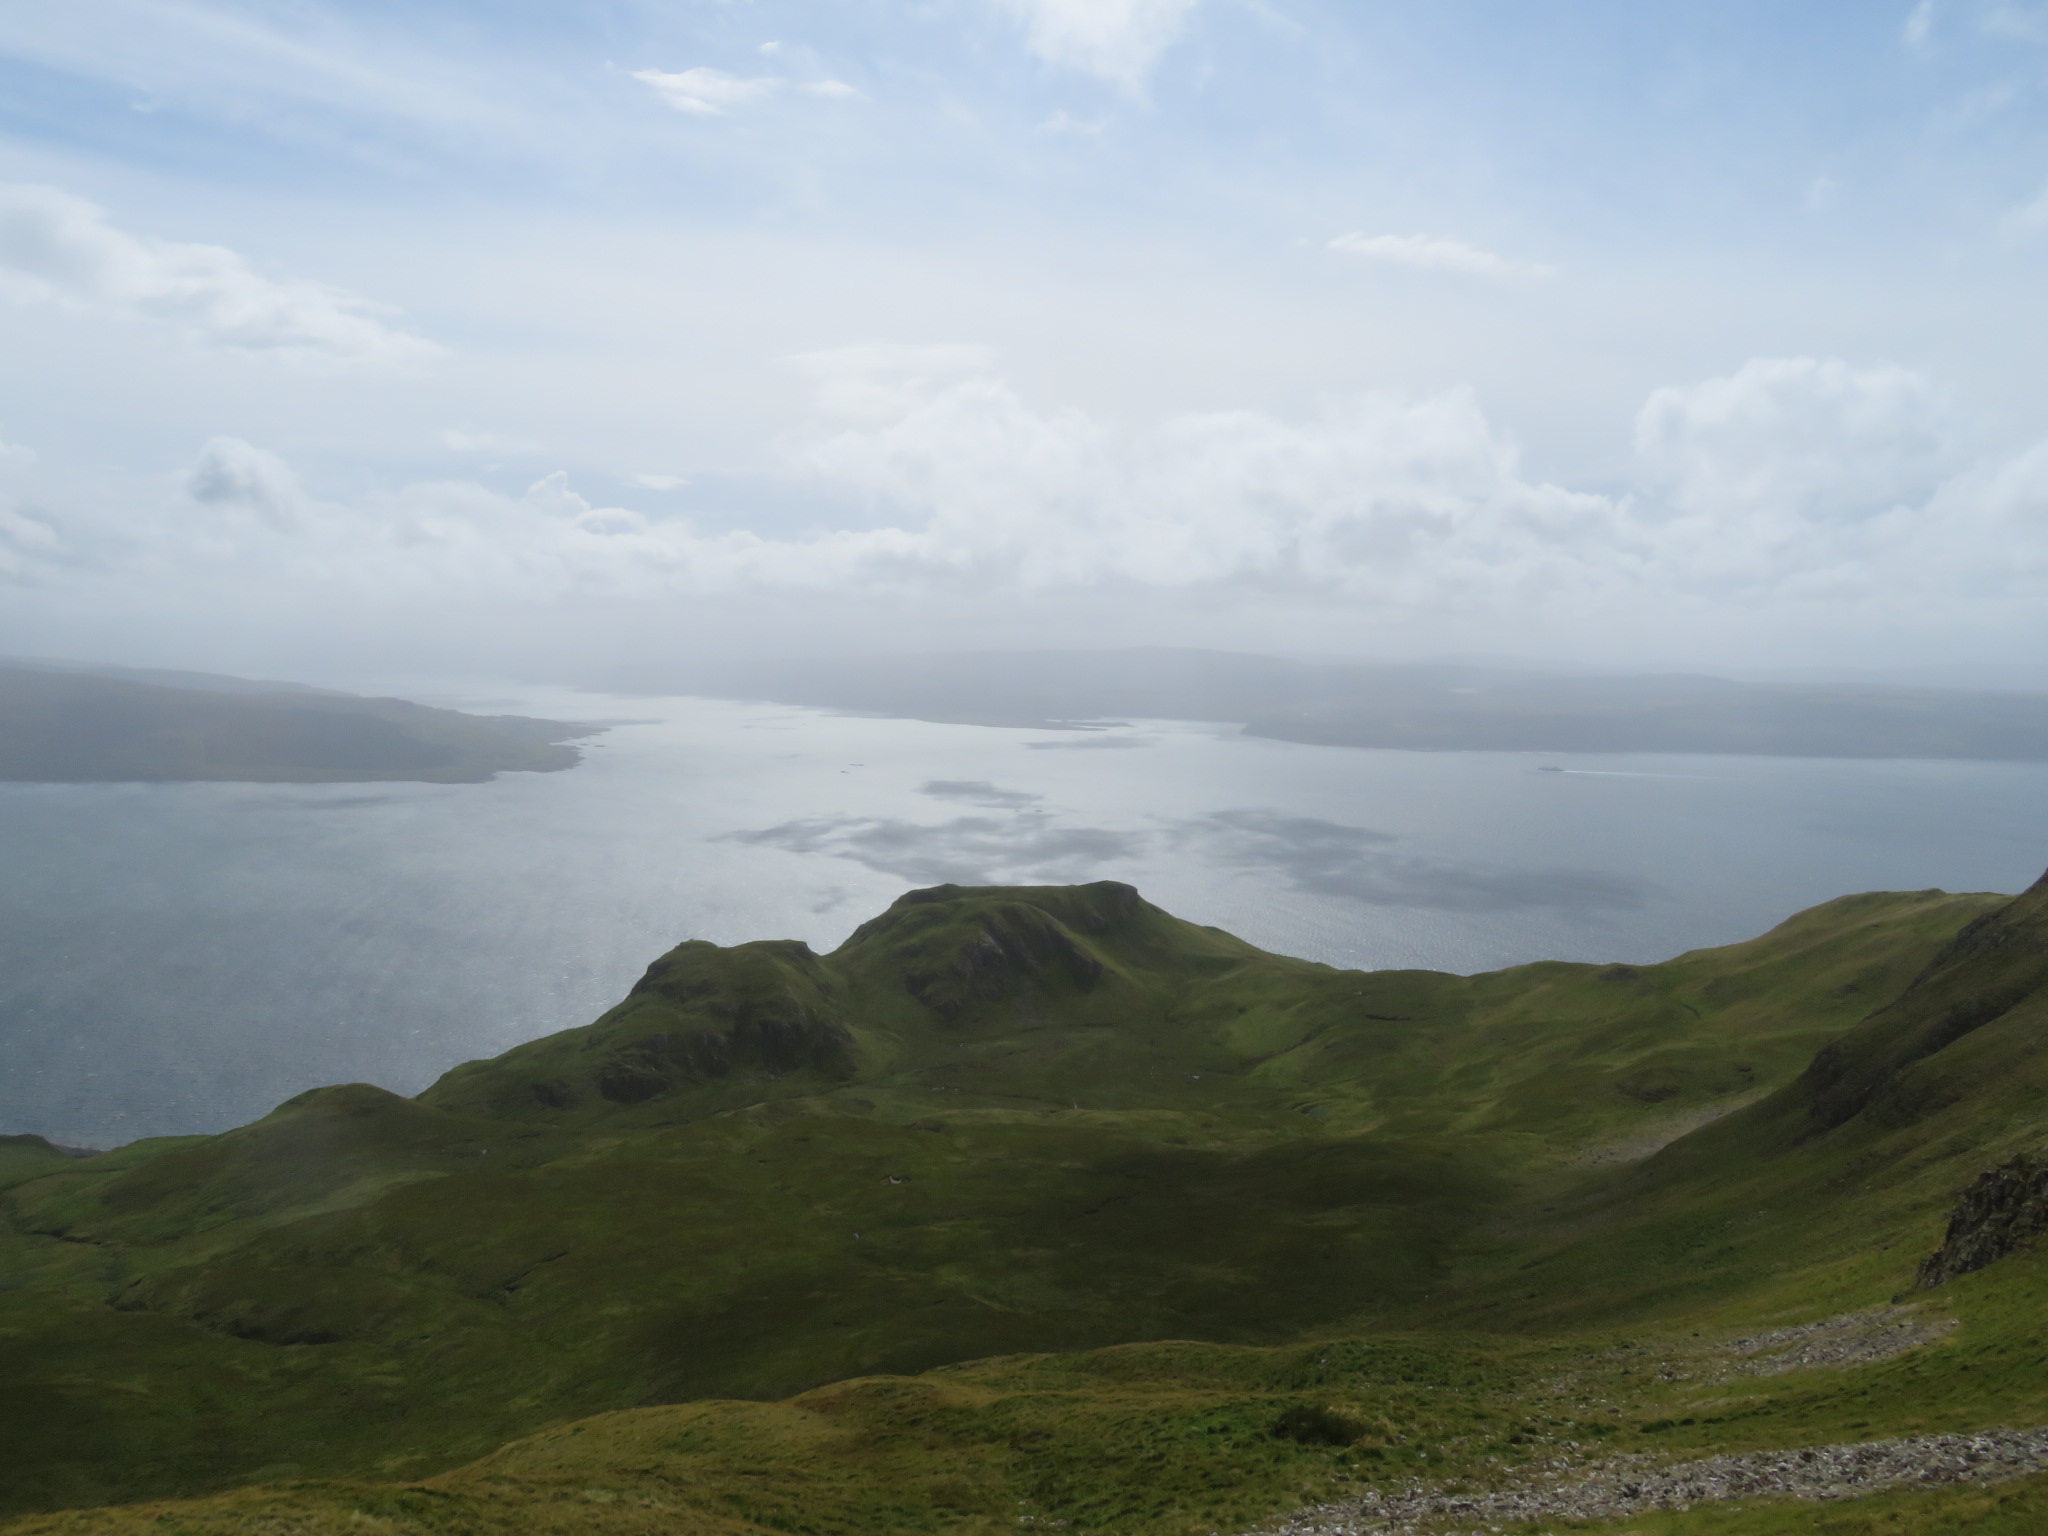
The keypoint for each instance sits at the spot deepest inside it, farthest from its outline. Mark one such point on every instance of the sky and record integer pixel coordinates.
(513, 339)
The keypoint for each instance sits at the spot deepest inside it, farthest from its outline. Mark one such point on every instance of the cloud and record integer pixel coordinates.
(1797, 437)
(1794, 497)
(969, 850)
(1433, 253)
(659, 482)
(1398, 502)
(232, 474)
(60, 249)
(1115, 40)
(1919, 24)
(1788, 479)
(22, 539)
(1357, 497)
(1329, 858)
(707, 92)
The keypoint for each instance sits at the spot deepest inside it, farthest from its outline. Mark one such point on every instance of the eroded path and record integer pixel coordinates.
(1632, 1485)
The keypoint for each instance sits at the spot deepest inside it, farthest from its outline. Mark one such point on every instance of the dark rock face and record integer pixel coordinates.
(2004, 1210)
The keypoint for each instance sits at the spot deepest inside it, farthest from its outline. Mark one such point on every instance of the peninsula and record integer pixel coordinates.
(60, 725)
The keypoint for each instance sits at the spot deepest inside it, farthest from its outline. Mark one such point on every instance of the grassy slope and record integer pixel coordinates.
(1176, 1440)
(1056, 1120)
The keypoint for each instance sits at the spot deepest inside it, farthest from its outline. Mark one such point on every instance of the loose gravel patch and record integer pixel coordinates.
(1632, 1485)
(1855, 1338)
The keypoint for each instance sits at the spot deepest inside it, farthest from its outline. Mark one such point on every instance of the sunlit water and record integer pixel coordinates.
(179, 958)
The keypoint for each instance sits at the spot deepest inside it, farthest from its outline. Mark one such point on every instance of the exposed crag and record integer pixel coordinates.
(2003, 1210)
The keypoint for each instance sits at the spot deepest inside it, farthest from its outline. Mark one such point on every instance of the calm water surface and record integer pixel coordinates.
(179, 958)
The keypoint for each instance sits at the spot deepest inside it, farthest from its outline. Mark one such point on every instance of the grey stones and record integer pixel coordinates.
(1634, 1484)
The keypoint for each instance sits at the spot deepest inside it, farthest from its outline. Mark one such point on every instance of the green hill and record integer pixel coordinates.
(1043, 1203)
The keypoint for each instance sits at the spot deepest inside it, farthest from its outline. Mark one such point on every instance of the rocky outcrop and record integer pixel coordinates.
(2003, 1210)
(960, 951)
(700, 1015)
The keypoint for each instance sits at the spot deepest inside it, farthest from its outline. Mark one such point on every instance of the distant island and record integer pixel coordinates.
(1418, 706)
(64, 724)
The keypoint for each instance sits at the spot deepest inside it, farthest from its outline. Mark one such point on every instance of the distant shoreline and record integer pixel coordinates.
(1414, 707)
(61, 726)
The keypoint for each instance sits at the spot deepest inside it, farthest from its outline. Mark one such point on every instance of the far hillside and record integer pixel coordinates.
(1420, 706)
(113, 725)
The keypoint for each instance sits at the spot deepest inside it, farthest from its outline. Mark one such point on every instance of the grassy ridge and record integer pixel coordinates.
(998, 1123)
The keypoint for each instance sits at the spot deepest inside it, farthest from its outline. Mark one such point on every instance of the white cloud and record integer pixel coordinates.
(1434, 253)
(1919, 24)
(707, 92)
(1116, 40)
(232, 474)
(56, 248)
(22, 539)
(1369, 496)
(1791, 492)
(26, 531)
(1797, 438)
(1394, 498)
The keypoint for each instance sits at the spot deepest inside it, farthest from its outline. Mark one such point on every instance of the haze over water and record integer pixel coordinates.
(180, 958)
